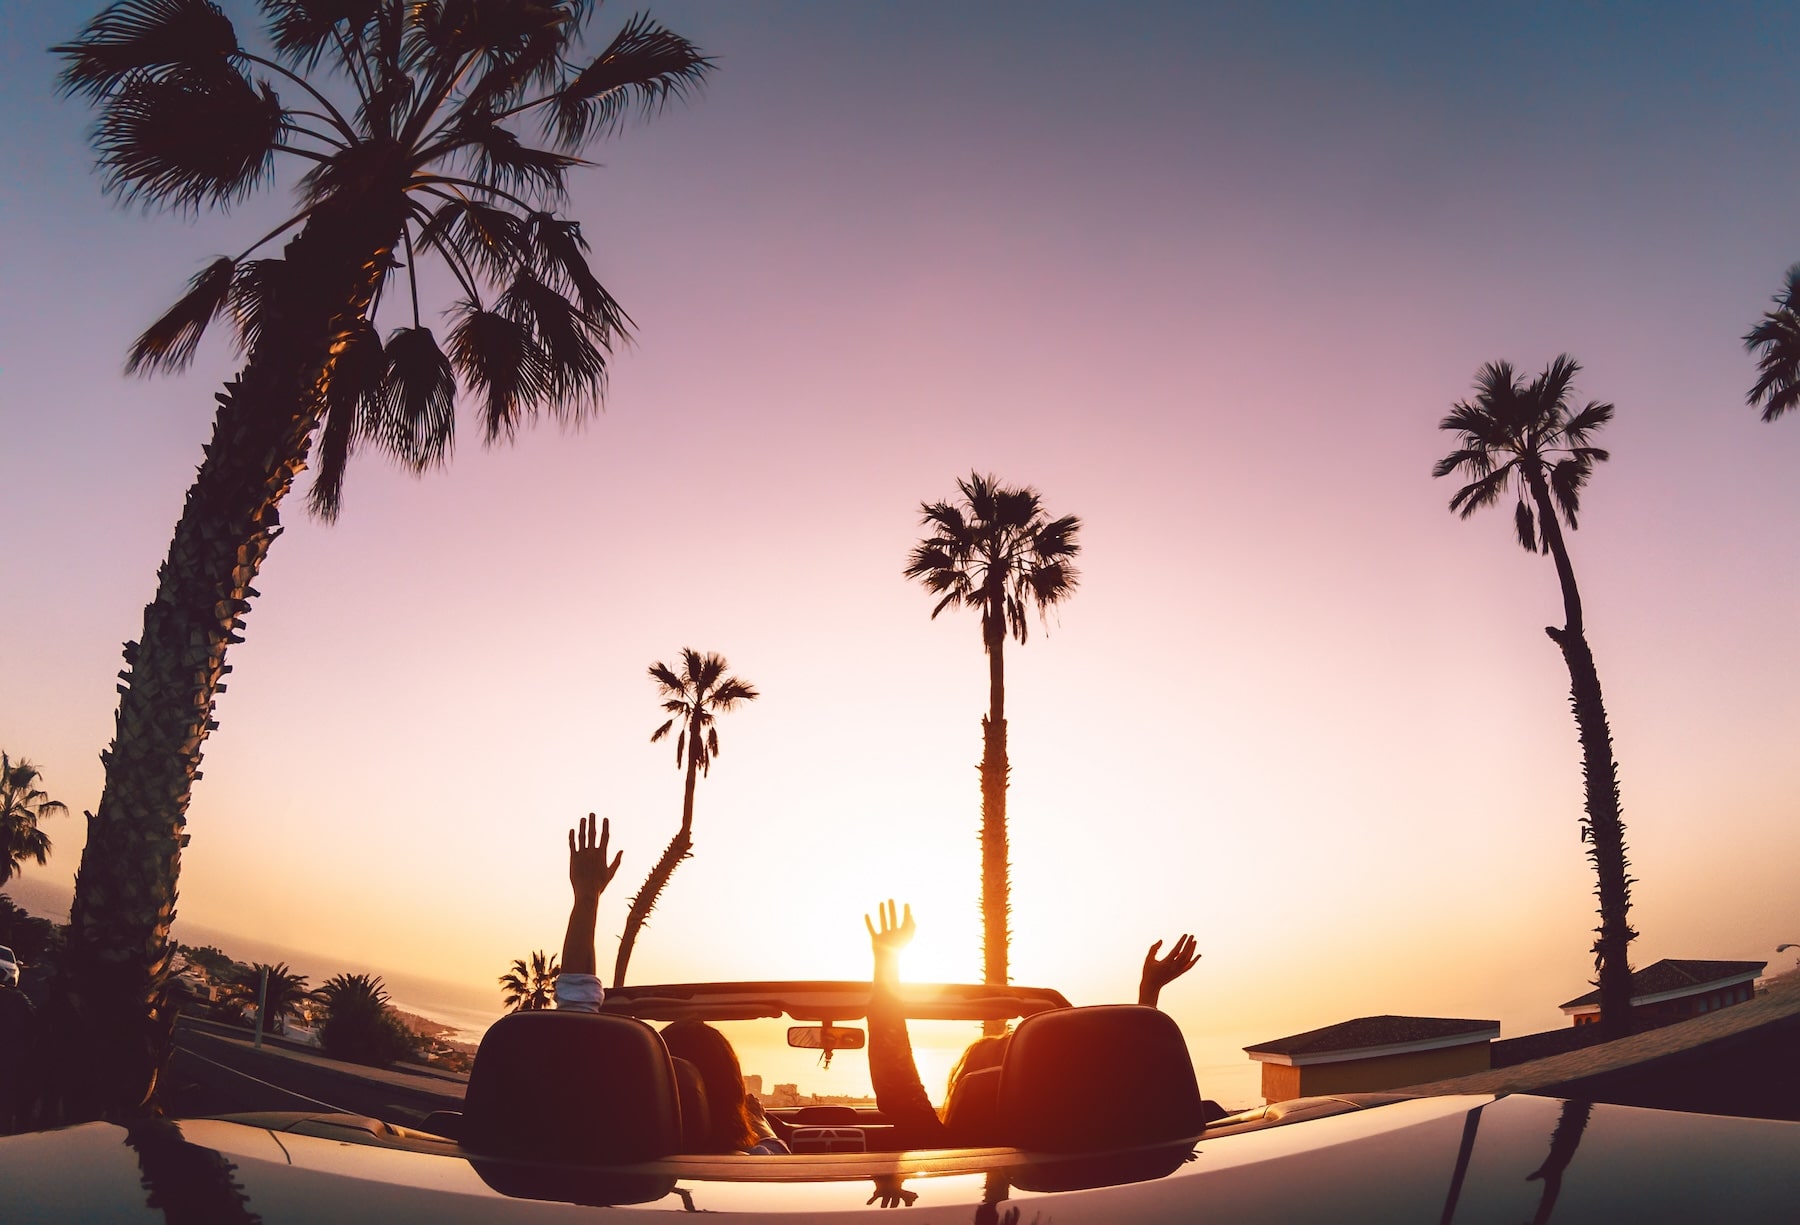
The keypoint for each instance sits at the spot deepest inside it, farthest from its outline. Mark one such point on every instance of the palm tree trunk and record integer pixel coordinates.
(995, 901)
(113, 1010)
(679, 848)
(1603, 828)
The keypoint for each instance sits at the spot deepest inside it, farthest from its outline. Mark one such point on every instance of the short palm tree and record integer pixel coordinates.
(1522, 435)
(414, 120)
(1777, 335)
(692, 699)
(22, 806)
(285, 997)
(996, 550)
(360, 1022)
(530, 986)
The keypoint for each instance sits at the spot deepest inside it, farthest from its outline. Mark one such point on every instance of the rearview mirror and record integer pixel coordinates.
(825, 1037)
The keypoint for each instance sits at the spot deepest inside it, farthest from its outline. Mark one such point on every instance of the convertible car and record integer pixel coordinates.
(1094, 1116)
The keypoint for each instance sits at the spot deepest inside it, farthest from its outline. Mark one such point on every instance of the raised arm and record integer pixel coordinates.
(589, 874)
(1160, 972)
(898, 1091)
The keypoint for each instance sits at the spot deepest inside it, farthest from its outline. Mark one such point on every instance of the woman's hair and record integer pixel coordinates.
(982, 1053)
(711, 1054)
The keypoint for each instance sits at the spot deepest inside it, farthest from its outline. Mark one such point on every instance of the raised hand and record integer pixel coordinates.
(1160, 972)
(887, 940)
(589, 873)
(891, 937)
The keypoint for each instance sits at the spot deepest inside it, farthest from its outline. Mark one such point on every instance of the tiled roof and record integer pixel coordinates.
(1368, 1032)
(1672, 975)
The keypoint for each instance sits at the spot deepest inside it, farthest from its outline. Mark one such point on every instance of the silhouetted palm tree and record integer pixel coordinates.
(530, 987)
(1778, 366)
(360, 1022)
(997, 551)
(1523, 433)
(691, 698)
(22, 806)
(286, 995)
(423, 158)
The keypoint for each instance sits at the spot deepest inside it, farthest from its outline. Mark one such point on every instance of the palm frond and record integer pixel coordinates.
(1525, 526)
(1484, 492)
(495, 240)
(500, 359)
(168, 344)
(645, 64)
(353, 384)
(662, 731)
(1567, 477)
(498, 156)
(1777, 335)
(663, 675)
(1592, 416)
(145, 38)
(560, 257)
(574, 346)
(416, 417)
(302, 29)
(254, 293)
(187, 139)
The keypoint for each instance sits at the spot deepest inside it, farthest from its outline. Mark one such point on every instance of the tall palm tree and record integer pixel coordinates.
(1777, 334)
(410, 117)
(691, 698)
(22, 806)
(530, 987)
(995, 550)
(1523, 434)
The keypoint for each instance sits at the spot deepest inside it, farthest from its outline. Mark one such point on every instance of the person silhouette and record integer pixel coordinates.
(738, 1124)
(899, 1093)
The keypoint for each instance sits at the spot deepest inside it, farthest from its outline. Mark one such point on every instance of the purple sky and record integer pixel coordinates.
(1207, 278)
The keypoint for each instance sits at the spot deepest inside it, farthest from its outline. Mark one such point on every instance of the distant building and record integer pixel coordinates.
(753, 1084)
(1673, 990)
(1372, 1053)
(784, 1095)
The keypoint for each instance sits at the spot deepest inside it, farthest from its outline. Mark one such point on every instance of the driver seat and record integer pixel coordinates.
(1109, 1076)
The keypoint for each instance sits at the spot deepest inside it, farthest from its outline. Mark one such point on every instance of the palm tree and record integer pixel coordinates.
(1524, 432)
(360, 1022)
(22, 806)
(424, 157)
(283, 1000)
(995, 550)
(692, 699)
(530, 987)
(1778, 336)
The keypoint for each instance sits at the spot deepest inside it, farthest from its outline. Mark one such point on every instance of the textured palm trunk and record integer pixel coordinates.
(114, 1012)
(679, 848)
(1603, 827)
(996, 906)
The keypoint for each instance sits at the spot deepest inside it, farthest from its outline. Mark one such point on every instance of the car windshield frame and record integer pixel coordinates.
(822, 1000)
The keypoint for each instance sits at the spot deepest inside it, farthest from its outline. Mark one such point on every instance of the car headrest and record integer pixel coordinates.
(1106, 1077)
(696, 1119)
(973, 1116)
(572, 1087)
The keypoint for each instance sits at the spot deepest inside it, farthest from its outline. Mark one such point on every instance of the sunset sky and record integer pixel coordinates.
(1205, 276)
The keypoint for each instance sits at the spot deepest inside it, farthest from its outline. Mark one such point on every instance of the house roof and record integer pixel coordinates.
(1373, 1037)
(1672, 978)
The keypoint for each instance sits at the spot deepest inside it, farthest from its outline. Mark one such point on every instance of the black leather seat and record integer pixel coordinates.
(973, 1116)
(578, 1088)
(1089, 1079)
(696, 1118)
